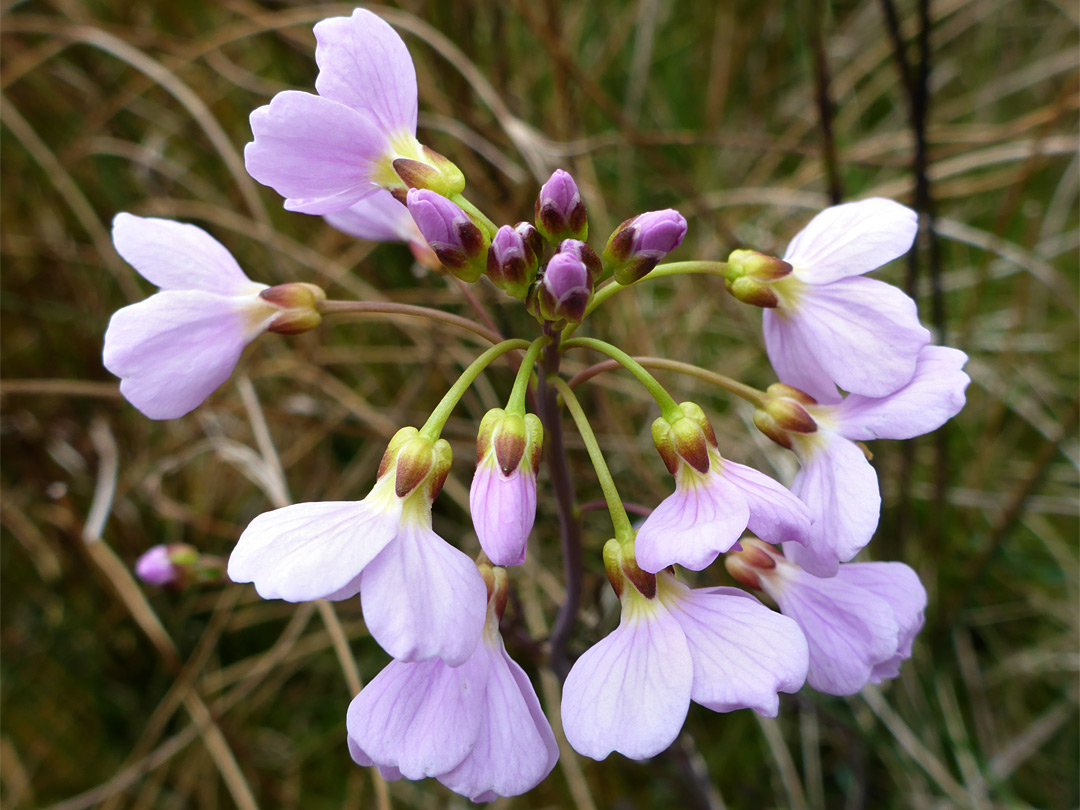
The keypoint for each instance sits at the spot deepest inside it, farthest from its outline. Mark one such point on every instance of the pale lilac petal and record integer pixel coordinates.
(776, 514)
(378, 218)
(934, 396)
(863, 333)
(848, 629)
(515, 747)
(743, 653)
(630, 692)
(792, 361)
(423, 598)
(841, 489)
(420, 718)
(900, 586)
(317, 153)
(503, 512)
(177, 256)
(314, 550)
(389, 773)
(174, 349)
(364, 64)
(851, 239)
(693, 525)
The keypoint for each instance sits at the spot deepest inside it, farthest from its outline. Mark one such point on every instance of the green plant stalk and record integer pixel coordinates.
(516, 403)
(747, 392)
(624, 531)
(721, 269)
(482, 222)
(668, 406)
(433, 426)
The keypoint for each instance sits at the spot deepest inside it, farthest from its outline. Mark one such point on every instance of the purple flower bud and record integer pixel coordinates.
(454, 237)
(586, 255)
(637, 246)
(165, 565)
(513, 258)
(560, 214)
(563, 291)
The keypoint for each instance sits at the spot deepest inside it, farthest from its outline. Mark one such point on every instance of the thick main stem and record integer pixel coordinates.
(569, 518)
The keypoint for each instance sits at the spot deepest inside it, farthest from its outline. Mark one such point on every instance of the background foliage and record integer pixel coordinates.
(122, 698)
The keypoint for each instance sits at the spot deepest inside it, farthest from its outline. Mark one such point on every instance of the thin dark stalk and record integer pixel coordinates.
(409, 310)
(569, 516)
(632, 508)
(824, 102)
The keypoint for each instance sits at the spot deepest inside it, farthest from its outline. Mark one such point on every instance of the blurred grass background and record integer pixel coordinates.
(748, 117)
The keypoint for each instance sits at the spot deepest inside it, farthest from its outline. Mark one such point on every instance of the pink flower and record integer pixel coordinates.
(714, 502)
(718, 647)
(502, 498)
(326, 152)
(836, 481)
(478, 727)
(860, 624)
(830, 326)
(174, 349)
(421, 597)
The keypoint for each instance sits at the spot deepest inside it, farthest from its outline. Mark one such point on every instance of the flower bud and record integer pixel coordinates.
(758, 266)
(687, 439)
(416, 461)
(753, 292)
(586, 255)
(563, 290)
(783, 414)
(497, 582)
(434, 173)
(560, 214)
(502, 497)
(299, 305)
(514, 257)
(458, 242)
(638, 245)
(176, 565)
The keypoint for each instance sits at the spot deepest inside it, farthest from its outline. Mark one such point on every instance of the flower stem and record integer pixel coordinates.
(668, 406)
(624, 531)
(660, 271)
(516, 403)
(747, 392)
(434, 425)
(569, 518)
(392, 308)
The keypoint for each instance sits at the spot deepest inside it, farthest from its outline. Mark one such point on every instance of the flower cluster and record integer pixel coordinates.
(853, 363)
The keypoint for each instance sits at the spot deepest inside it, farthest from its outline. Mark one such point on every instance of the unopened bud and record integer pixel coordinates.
(513, 438)
(433, 173)
(638, 244)
(563, 290)
(178, 564)
(758, 266)
(586, 255)
(753, 292)
(560, 214)
(513, 258)
(458, 242)
(299, 305)
(790, 415)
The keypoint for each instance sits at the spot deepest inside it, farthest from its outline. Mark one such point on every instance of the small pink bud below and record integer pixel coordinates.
(758, 266)
(175, 564)
(753, 292)
(563, 290)
(299, 304)
(638, 244)
(560, 214)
